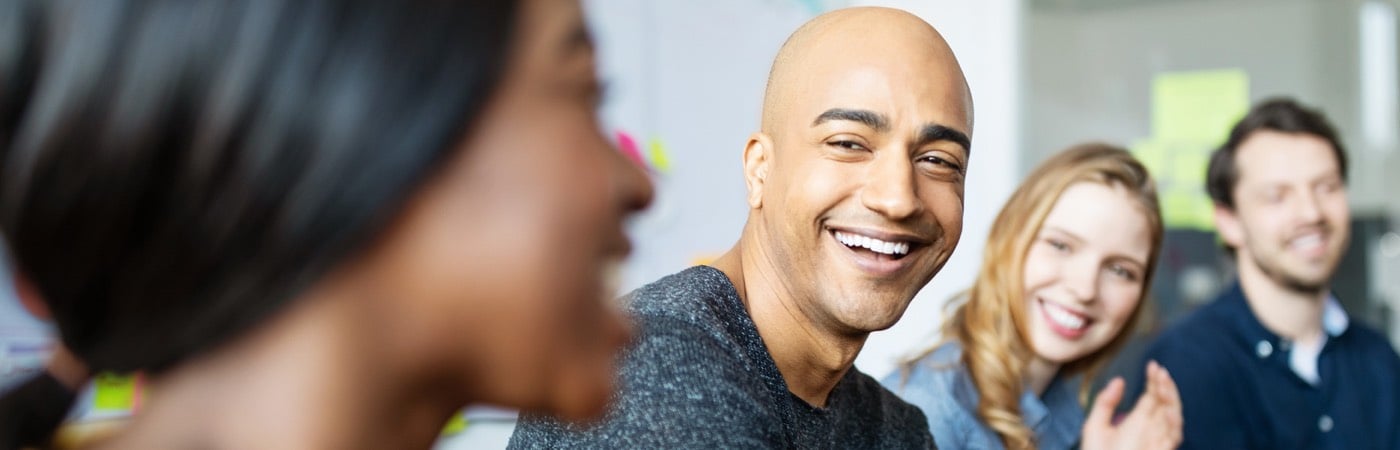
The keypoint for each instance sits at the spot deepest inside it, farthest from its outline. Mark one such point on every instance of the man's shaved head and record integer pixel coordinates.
(856, 177)
(850, 38)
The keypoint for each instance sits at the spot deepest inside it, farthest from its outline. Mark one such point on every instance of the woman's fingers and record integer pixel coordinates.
(1154, 423)
(1102, 414)
(1170, 395)
(1165, 407)
(1152, 393)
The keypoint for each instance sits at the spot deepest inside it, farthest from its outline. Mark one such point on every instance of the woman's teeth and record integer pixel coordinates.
(1063, 317)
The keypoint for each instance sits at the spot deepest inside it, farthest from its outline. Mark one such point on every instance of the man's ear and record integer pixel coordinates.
(758, 158)
(1227, 223)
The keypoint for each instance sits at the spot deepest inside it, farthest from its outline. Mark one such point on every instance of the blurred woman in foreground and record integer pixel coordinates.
(316, 224)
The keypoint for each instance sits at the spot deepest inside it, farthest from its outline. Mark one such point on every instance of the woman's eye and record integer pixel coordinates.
(1123, 272)
(1057, 245)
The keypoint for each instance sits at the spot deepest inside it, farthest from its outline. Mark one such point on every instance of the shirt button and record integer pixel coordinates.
(1264, 349)
(1324, 423)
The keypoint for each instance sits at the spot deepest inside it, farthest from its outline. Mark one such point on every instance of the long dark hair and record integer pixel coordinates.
(172, 172)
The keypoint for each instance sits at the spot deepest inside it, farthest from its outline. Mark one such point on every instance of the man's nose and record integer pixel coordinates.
(889, 187)
(1307, 207)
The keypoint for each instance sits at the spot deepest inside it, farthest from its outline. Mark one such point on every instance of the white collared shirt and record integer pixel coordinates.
(1302, 358)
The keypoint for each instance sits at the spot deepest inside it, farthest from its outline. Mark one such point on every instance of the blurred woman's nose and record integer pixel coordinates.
(633, 186)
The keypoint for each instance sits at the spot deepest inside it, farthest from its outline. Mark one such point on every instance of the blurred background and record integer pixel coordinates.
(1165, 78)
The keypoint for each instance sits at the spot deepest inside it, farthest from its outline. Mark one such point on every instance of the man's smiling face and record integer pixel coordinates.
(860, 193)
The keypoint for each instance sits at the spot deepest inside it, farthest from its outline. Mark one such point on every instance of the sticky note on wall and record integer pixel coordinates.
(1192, 113)
(660, 160)
(113, 392)
(1198, 106)
(629, 148)
(457, 424)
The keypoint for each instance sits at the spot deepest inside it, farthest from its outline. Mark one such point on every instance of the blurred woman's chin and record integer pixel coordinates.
(584, 402)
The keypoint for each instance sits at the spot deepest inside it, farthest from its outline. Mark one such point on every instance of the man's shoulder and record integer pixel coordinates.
(701, 294)
(876, 397)
(1205, 351)
(1209, 330)
(884, 416)
(692, 376)
(1372, 343)
(692, 319)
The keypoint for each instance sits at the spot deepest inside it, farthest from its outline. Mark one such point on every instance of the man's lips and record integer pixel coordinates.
(911, 239)
(1310, 243)
(880, 253)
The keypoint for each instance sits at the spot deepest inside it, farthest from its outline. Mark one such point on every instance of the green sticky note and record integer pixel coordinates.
(1198, 106)
(113, 392)
(1203, 216)
(455, 425)
(659, 159)
(1189, 165)
(1152, 155)
(1179, 169)
(1192, 113)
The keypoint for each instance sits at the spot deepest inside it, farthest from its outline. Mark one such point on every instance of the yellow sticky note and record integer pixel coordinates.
(1189, 165)
(1198, 106)
(113, 392)
(455, 425)
(659, 159)
(1152, 155)
(1203, 217)
(1192, 113)
(704, 259)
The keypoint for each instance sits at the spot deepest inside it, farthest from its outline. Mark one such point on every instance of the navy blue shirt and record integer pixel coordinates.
(1238, 390)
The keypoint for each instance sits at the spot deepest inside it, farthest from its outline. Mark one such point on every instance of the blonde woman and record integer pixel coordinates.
(1068, 265)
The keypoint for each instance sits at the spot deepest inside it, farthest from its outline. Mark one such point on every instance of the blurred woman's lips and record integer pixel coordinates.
(610, 273)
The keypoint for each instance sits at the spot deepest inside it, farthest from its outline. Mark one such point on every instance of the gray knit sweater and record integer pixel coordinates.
(699, 376)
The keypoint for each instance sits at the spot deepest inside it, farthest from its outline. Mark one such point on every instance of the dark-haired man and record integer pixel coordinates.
(1274, 362)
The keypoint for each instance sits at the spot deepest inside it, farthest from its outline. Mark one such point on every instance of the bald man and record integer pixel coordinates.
(855, 189)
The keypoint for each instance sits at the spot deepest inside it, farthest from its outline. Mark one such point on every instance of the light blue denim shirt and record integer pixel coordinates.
(940, 386)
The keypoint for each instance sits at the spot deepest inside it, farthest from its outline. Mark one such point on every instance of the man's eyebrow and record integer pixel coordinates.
(934, 133)
(871, 119)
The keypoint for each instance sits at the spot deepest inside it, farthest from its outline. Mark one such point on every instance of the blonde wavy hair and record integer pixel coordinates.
(994, 343)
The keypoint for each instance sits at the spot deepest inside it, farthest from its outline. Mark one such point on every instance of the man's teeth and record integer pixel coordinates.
(1307, 241)
(875, 245)
(1062, 317)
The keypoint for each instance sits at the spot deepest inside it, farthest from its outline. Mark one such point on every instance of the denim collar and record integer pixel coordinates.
(1055, 417)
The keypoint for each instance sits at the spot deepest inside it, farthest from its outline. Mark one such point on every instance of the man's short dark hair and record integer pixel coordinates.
(1276, 114)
